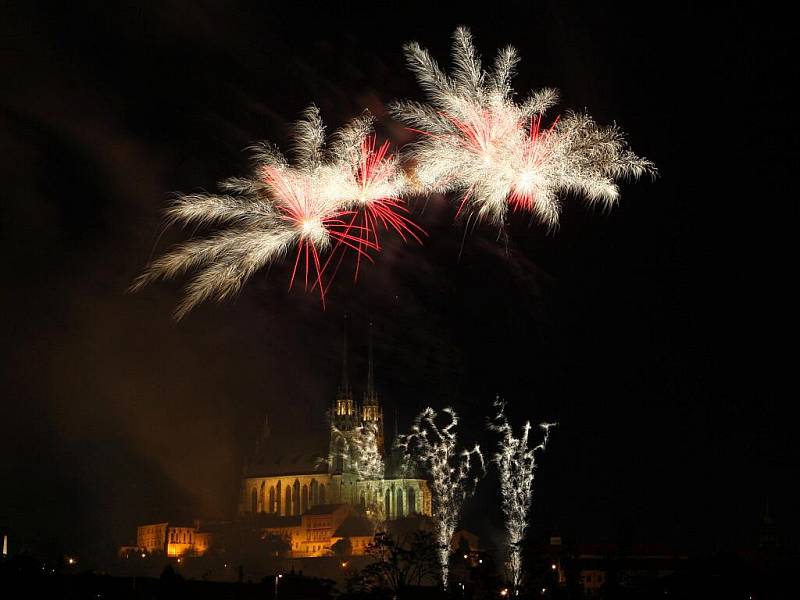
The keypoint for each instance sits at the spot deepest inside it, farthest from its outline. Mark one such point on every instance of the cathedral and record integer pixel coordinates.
(313, 489)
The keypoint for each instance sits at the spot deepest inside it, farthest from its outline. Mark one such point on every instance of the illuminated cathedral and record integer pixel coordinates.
(308, 488)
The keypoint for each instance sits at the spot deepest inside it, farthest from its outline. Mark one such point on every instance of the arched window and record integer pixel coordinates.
(287, 510)
(412, 501)
(304, 498)
(261, 497)
(254, 501)
(363, 500)
(278, 498)
(387, 500)
(272, 499)
(399, 504)
(314, 492)
(322, 494)
(296, 497)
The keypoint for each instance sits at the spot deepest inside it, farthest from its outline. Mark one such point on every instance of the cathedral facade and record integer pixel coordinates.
(299, 489)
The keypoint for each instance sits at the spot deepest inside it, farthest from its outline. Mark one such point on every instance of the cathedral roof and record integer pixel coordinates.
(296, 452)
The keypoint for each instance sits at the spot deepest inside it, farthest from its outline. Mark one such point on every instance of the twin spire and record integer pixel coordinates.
(345, 391)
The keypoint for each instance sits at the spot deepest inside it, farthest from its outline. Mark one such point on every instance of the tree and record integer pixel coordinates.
(399, 564)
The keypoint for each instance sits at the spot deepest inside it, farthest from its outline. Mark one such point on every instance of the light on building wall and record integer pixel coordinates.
(553, 566)
(144, 555)
(504, 592)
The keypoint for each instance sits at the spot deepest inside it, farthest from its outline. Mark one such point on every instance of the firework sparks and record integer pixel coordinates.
(330, 199)
(453, 474)
(517, 464)
(478, 141)
(358, 451)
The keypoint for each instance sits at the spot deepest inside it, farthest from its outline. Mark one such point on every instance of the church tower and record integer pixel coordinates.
(371, 410)
(343, 415)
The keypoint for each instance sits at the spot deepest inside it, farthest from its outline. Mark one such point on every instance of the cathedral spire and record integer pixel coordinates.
(371, 411)
(344, 385)
(370, 396)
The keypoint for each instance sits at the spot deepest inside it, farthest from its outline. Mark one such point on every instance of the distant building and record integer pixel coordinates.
(172, 540)
(595, 567)
(316, 531)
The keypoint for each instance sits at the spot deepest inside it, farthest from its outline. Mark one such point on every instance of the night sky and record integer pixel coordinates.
(661, 336)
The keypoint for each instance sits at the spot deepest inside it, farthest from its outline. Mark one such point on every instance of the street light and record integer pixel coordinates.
(277, 577)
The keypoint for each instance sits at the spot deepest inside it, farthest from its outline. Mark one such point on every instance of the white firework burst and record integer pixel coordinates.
(453, 474)
(477, 140)
(330, 198)
(516, 463)
(358, 451)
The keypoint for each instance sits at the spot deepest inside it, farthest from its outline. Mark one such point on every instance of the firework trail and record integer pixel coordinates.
(452, 474)
(475, 139)
(332, 198)
(359, 453)
(517, 464)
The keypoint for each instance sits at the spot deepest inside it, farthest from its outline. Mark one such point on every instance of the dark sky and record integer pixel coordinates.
(661, 335)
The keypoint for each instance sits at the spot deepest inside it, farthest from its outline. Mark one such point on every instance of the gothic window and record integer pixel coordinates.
(388, 504)
(322, 494)
(278, 498)
(304, 497)
(363, 500)
(296, 498)
(261, 498)
(272, 499)
(314, 492)
(254, 501)
(399, 505)
(412, 501)
(287, 510)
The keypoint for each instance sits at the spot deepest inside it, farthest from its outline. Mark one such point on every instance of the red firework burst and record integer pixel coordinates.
(315, 220)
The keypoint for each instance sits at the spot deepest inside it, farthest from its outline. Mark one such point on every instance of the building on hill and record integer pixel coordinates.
(317, 485)
(171, 540)
(323, 477)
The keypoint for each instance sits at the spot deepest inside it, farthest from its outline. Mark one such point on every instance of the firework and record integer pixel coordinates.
(329, 199)
(358, 451)
(517, 464)
(475, 139)
(453, 475)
